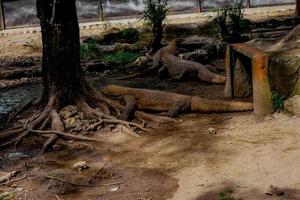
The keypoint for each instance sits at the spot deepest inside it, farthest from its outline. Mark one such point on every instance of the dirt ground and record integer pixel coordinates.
(250, 157)
(179, 161)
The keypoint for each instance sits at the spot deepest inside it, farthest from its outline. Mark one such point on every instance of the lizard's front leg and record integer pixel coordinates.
(129, 108)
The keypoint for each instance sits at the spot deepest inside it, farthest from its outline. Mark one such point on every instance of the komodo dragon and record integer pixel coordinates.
(172, 103)
(183, 69)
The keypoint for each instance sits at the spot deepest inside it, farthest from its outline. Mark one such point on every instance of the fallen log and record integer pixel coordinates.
(161, 101)
(20, 72)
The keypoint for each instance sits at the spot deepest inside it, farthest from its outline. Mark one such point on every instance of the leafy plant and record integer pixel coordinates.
(154, 14)
(131, 35)
(231, 22)
(120, 57)
(277, 101)
(224, 196)
(88, 50)
(7, 196)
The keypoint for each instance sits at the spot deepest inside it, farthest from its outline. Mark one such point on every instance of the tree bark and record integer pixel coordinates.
(62, 74)
(157, 37)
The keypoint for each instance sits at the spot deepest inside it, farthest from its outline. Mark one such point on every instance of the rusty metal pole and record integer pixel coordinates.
(2, 18)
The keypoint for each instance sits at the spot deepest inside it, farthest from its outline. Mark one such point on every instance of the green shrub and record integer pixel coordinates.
(120, 57)
(231, 22)
(224, 196)
(130, 35)
(154, 14)
(88, 50)
(277, 101)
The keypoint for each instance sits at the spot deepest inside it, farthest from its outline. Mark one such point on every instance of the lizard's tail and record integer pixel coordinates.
(207, 105)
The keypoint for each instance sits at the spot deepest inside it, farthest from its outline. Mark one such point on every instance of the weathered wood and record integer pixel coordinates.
(161, 101)
(298, 8)
(2, 18)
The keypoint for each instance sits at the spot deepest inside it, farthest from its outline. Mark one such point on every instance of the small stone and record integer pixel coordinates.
(19, 189)
(292, 105)
(114, 189)
(212, 131)
(269, 117)
(80, 165)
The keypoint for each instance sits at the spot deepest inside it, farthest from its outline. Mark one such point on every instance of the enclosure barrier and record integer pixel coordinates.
(258, 66)
(22, 13)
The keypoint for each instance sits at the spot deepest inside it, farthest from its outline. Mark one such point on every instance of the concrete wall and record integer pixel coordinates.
(23, 12)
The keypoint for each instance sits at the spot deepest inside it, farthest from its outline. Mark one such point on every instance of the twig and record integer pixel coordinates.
(98, 170)
(13, 181)
(66, 135)
(82, 185)
(9, 175)
(11, 117)
(68, 182)
(218, 122)
(57, 197)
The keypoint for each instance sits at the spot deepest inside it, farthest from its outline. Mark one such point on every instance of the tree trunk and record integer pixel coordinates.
(62, 74)
(157, 37)
(298, 8)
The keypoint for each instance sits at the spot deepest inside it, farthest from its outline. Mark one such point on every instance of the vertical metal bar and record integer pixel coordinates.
(200, 5)
(2, 18)
(101, 11)
(249, 3)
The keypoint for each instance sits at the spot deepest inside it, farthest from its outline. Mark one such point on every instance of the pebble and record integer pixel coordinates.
(212, 131)
(80, 165)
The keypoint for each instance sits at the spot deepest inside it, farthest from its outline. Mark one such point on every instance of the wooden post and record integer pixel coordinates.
(2, 19)
(298, 8)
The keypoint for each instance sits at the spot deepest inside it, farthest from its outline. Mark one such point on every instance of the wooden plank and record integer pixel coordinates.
(2, 19)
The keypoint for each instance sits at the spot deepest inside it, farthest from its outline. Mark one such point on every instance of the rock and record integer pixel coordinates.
(198, 55)
(269, 117)
(242, 85)
(96, 66)
(212, 131)
(80, 165)
(114, 189)
(141, 61)
(284, 71)
(195, 42)
(17, 155)
(292, 105)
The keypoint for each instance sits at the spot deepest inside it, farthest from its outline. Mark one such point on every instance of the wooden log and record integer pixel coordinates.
(161, 101)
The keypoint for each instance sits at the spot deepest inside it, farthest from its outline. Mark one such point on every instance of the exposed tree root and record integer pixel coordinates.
(106, 114)
(109, 114)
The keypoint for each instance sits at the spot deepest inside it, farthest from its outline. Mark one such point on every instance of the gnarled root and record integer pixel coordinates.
(105, 113)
